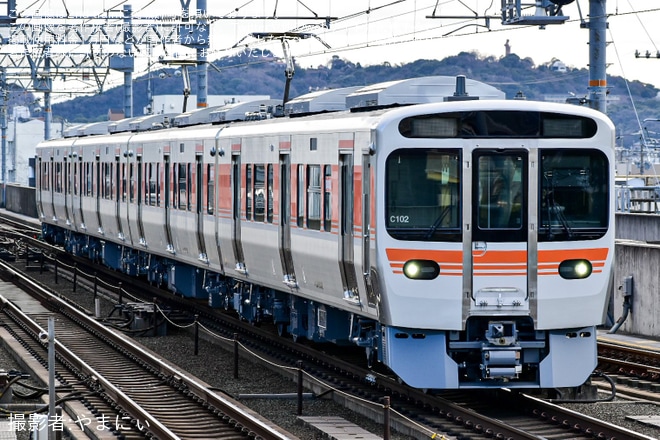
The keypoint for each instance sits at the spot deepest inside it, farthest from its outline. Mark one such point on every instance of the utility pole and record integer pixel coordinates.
(597, 55)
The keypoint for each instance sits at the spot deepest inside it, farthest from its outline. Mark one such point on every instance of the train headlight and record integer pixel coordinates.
(421, 269)
(575, 269)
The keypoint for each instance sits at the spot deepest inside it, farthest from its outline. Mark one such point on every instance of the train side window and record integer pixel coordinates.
(259, 196)
(269, 193)
(314, 197)
(174, 188)
(248, 192)
(327, 198)
(300, 205)
(210, 188)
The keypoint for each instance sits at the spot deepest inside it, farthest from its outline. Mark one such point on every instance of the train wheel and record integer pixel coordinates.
(281, 329)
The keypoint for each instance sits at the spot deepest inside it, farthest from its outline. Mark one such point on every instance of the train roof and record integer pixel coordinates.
(319, 101)
(239, 111)
(341, 101)
(421, 90)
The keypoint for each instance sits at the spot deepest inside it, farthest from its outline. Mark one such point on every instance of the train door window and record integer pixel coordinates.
(189, 188)
(97, 187)
(210, 188)
(107, 181)
(131, 183)
(66, 186)
(44, 182)
(500, 211)
(300, 205)
(327, 198)
(248, 192)
(173, 188)
(73, 182)
(89, 178)
(150, 182)
(58, 177)
(182, 186)
(124, 186)
(140, 178)
(259, 195)
(80, 181)
(120, 189)
(314, 197)
(158, 185)
(500, 192)
(422, 195)
(269, 193)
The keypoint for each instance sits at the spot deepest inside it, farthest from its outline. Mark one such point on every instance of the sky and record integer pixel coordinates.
(395, 31)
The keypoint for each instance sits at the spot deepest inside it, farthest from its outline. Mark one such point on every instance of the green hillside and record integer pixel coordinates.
(265, 76)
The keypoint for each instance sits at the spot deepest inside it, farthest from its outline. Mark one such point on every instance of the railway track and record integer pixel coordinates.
(123, 388)
(465, 415)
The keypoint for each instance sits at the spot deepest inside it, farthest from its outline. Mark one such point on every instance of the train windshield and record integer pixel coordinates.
(574, 197)
(422, 198)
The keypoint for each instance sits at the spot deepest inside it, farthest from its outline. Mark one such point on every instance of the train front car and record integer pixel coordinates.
(495, 236)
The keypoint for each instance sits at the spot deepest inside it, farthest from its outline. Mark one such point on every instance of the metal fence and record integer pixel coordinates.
(638, 199)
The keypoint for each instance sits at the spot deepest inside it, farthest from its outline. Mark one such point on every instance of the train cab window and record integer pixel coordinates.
(573, 195)
(422, 197)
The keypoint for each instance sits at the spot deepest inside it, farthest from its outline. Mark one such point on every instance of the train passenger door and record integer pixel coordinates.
(236, 185)
(499, 236)
(346, 223)
(66, 164)
(199, 193)
(97, 192)
(77, 180)
(120, 193)
(140, 198)
(285, 219)
(167, 191)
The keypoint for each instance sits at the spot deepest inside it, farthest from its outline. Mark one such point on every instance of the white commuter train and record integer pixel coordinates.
(463, 244)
